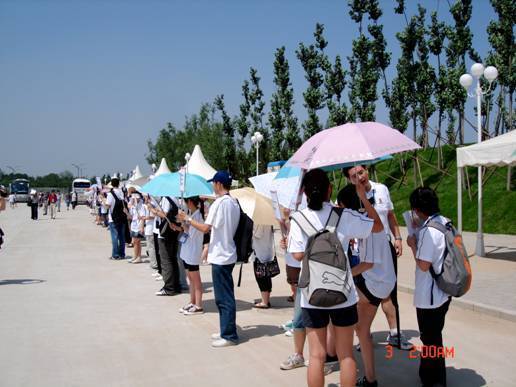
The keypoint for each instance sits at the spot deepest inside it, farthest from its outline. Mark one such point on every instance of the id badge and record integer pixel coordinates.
(183, 237)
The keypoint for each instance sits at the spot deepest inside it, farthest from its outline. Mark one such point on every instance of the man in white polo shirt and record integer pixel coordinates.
(379, 196)
(222, 221)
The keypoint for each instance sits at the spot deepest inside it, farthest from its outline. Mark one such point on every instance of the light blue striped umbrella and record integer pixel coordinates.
(168, 184)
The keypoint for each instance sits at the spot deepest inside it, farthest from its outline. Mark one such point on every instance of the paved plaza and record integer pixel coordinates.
(71, 317)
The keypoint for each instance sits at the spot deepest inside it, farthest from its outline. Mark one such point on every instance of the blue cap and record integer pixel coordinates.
(222, 177)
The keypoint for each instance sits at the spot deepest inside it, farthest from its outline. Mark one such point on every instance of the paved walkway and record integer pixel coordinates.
(71, 317)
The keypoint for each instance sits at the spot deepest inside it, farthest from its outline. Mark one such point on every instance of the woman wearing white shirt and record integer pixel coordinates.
(191, 251)
(344, 316)
(374, 279)
(263, 238)
(431, 302)
(136, 215)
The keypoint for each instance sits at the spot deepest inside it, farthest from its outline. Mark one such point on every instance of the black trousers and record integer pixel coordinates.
(169, 265)
(432, 370)
(34, 211)
(156, 249)
(265, 284)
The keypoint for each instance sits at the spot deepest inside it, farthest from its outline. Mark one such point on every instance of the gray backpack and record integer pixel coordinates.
(455, 276)
(326, 278)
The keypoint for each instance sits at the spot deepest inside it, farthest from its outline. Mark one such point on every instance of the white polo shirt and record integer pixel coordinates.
(375, 249)
(136, 211)
(352, 225)
(263, 238)
(149, 223)
(223, 218)
(191, 250)
(110, 201)
(430, 248)
(382, 203)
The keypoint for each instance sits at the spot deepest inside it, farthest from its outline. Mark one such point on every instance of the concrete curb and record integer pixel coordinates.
(477, 307)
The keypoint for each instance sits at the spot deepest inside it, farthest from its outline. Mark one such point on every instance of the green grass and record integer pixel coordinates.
(499, 204)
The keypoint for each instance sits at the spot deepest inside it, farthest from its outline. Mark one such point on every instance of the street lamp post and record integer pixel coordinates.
(78, 169)
(490, 73)
(256, 139)
(187, 159)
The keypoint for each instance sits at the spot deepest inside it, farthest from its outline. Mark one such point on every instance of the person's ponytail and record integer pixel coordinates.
(315, 185)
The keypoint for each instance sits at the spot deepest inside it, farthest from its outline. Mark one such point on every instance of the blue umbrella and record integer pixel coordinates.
(168, 184)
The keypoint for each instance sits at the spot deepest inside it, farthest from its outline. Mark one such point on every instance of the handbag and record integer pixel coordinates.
(267, 269)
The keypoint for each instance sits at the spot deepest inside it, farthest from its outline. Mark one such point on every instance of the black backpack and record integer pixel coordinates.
(164, 228)
(244, 237)
(243, 240)
(118, 214)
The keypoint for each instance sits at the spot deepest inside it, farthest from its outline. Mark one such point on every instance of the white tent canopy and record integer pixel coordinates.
(500, 151)
(163, 168)
(198, 164)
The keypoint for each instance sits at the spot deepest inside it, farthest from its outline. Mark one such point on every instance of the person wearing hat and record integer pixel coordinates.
(222, 222)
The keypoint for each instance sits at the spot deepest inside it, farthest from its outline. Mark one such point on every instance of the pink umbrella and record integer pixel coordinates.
(341, 145)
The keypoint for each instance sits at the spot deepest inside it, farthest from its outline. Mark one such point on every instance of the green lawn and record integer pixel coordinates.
(499, 204)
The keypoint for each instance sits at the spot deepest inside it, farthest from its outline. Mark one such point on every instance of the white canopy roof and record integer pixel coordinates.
(198, 164)
(163, 168)
(500, 150)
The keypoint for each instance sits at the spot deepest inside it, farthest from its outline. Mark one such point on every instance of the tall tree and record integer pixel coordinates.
(502, 55)
(425, 76)
(228, 130)
(335, 82)
(283, 123)
(313, 65)
(367, 61)
(459, 45)
(437, 35)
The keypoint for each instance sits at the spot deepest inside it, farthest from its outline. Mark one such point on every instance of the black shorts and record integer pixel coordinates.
(190, 267)
(361, 285)
(320, 318)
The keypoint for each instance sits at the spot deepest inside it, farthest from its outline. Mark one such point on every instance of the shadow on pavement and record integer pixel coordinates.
(25, 281)
(501, 252)
(209, 306)
(250, 332)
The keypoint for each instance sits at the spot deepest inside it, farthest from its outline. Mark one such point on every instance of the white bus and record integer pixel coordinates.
(81, 187)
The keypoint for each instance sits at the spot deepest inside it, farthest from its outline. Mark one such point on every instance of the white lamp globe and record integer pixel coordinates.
(477, 70)
(491, 73)
(187, 156)
(259, 136)
(253, 139)
(466, 80)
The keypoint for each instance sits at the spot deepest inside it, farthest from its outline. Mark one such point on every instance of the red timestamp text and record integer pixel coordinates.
(424, 352)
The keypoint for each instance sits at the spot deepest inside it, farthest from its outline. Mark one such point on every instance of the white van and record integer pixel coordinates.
(81, 187)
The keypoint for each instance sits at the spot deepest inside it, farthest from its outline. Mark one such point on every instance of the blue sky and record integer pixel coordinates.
(89, 82)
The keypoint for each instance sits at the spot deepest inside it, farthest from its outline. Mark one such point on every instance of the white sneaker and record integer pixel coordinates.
(405, 345)
(215, 336)
(194, 309)
(293, 361)
(155, 274)
(289, 333)
(159, 278)
(185, 308)
(222, 343)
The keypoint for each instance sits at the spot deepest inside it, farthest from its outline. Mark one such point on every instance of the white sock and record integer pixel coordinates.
(394, 332)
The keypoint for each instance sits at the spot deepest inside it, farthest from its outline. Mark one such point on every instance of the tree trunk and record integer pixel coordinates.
(510, 112)
(415, 152)
(439, 140)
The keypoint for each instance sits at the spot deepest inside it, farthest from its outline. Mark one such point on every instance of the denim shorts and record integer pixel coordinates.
(320, 318)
